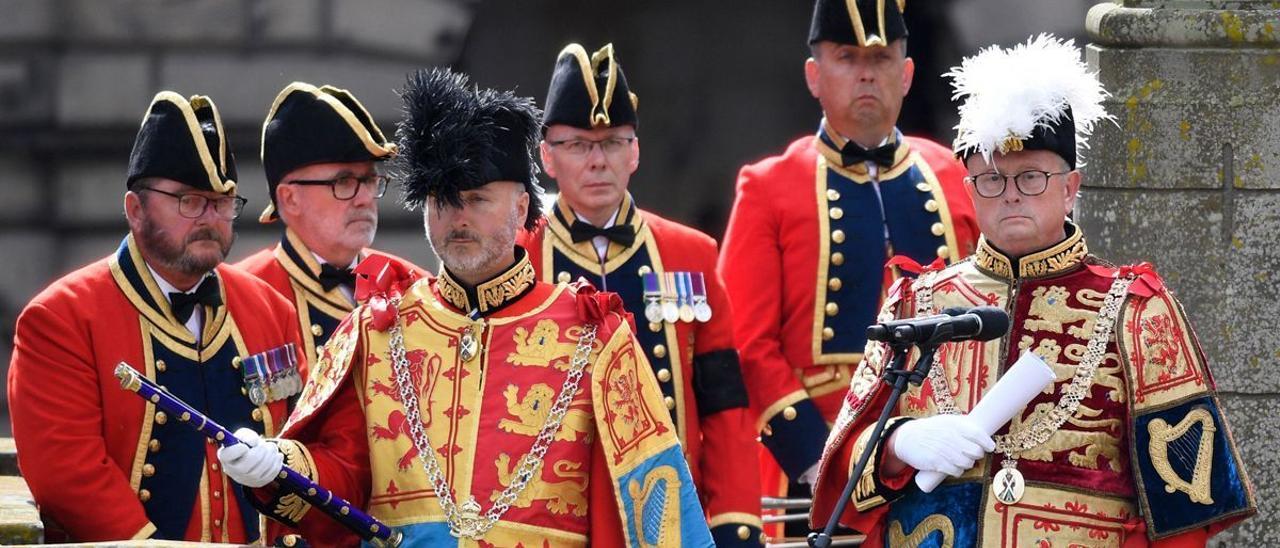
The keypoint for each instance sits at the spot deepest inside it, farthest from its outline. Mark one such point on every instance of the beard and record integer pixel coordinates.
(174, 256)
(492, 249)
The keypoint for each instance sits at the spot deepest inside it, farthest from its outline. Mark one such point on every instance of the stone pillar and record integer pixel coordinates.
(1189, 179)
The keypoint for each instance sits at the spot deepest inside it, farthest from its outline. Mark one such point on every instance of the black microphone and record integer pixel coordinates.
(982, 323)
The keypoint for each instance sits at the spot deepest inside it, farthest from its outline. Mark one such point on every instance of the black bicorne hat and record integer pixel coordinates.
(589, 91)
(311, 125)
(858, 22)
(456, 137)
(183, 140)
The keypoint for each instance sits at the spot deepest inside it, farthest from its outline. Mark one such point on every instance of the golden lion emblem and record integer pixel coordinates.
(531, 412)
(1050, 312)
(568, 494)
(542, 346)
(1084, 447)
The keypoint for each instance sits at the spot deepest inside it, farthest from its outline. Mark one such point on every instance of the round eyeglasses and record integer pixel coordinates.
(346, 187)
(192, 206)
(1031, 182)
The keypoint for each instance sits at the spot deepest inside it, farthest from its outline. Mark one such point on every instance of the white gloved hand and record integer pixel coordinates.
(948, 444)
(253, 463)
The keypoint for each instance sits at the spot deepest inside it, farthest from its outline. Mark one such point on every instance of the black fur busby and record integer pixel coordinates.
(589, 91)
(183, 140)
(311, 125)
(858, 22)
(456, 137)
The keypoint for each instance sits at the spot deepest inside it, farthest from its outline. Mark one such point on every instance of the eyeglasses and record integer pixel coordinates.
(192, 206)
(1032, 182)
(346, 187)
(581, 147)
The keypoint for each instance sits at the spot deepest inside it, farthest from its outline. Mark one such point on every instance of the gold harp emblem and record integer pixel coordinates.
(934, 523)
(656, 507)
(1167, 441)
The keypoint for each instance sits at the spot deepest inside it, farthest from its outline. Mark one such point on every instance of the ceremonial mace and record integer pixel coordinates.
(363, 525)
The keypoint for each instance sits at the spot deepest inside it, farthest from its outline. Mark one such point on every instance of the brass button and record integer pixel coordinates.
(144, 495)
(837, 236)
(153, 446)
(671, 402)
(664, 374)
(835, 213)
(922, 187)
(937, 229)
(256, 414)
(942, 251)
(148, 470)
(217, 494)
(214, 466)
(217, 523)
(828, 333)
(837, 258)
(789, 413)
(659, 351)
(931, 206)
(644, 270)
(832, 195)
(833, 309)
(185, 416)
(235, 362)
(835, 284)
(744, 532)
(161, 418)
(160, 366)
(316, 329)
(562, 277)
(655, 327)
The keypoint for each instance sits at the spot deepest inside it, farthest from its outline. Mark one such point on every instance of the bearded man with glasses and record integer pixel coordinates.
(321, 151)
(101, 463)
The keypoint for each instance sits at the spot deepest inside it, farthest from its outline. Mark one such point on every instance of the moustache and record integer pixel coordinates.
(462, 235)
(205, 234)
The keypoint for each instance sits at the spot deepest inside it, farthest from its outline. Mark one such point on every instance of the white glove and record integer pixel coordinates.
(253, 463)
(948, 444)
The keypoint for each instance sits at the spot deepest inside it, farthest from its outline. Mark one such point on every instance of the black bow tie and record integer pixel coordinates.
(332, 276)
(207, 294)
(622, 234)
(882, 156)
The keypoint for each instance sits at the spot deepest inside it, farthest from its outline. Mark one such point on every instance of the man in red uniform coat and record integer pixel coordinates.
(102, 463)
(1128, 446)
(811, 230)
(482, 408)
(597, 233)
(321, 151)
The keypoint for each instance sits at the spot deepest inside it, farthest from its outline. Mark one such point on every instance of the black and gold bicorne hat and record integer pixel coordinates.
(183, 140)
(311, 125)
(858, 22)
(589, 91)
(456, 137)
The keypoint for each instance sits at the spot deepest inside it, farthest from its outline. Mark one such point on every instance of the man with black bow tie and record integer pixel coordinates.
(103, 464)
(665, 273)
(321, 151)
(812, 229)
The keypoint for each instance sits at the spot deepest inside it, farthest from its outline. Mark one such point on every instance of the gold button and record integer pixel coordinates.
(837, 258)
(160, 366)
(316, 329)
(832, 195)
(235, 362)
(214, 466)
(828, 333)
(655, 327)
(645, 270)
(922, 187)
(744, 532)
(931, 206)
(148, 470)
(835, 284)
(659, 351)
(789, 413)
(185, 416)
(937, 229)
(217, 523)
(153, 446)
(664, 374)
(144, 495)
(942, 251)
(217, 494)
(837, 236)
(344, 510)
(562, 277)
(161, 418)
(836, 213)
(671, 402)
(256, 414)
(833, 309)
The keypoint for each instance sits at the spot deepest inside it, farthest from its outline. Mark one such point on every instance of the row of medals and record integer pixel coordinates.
(674, 296)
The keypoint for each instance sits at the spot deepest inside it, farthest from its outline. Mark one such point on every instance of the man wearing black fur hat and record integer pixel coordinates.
(482, 406)
(321, 151)
(812, 230)
(102, 463)
(596, 232)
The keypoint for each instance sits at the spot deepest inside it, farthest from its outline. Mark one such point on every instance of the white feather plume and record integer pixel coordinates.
(1009, 92)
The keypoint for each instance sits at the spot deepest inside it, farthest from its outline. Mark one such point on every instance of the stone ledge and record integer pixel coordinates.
(1179, 25)
(19, 520)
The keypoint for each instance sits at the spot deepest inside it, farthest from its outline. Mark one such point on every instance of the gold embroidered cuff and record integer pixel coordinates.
(870, 492)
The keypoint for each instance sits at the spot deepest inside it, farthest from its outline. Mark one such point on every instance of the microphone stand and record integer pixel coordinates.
(897, 377)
